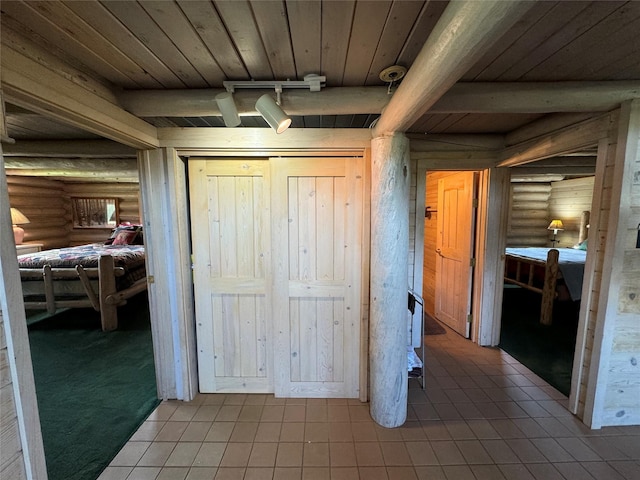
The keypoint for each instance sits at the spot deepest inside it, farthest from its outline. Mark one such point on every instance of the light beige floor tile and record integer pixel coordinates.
(147, 431)
(373, 473)
(163, 412)
(387, 434)
(315, 455)
(230, 473)
(130, 454)
(183, 454)
(289, 455)
(338, 413)
(144, 473)
(171, 431)
(317, 413)
(220, 432)
(244, 432)
(292, 432)
(256, 399)
(115, 473)
(430, 473)
(268, 432)
(447, 453)
(201, 473)
(344, 473)
(263, 455)
(206, 413)
(487, 472)
(209, 454)
(515, 472)
(272, 413)
(395, 453)
(287, 473)
(421, 453)
(342, 455)
(184, 413)
(228, 413)
(316, 473)
(401, 473)
(473, 452)
(316, 432)
(250, 413)
(236, 455)
(294, 413)
(458, 472)
(340, 432)
(173, 473)
(368, 454)
(363, 432)
(196, 432)
(235, 399)
(258, 473)
(157, 454)
(544, 471)
(359, 413)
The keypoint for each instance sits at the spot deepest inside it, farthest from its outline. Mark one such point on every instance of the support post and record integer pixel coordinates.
(389, 279)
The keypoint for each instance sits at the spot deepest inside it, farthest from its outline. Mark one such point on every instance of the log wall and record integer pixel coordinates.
(568, 200)
(47, 205)
(529, 215)
(128, 195)
(11, 455)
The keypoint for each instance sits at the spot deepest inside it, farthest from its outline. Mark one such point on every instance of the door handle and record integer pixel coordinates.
(438, 251)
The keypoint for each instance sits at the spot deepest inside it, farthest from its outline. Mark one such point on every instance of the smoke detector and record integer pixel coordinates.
(393, 73)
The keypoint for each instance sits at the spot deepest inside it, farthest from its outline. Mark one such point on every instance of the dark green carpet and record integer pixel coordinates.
(545, 350)
(94, 389)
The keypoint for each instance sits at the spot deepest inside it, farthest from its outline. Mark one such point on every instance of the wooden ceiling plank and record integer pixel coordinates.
(337, 18)
(446, 57)
(69, 149)
(239, 21)
(138, 22)
(446, 122)
(589, 35)
(271, 20)
(96, 15)
(626, 38)
(369, 20)
(34, 126)
(305, 25)
(170, 18)
(513, 44)
(45, 19)
(623, 68)
(207, 23)
(422, 28)
(394, 36)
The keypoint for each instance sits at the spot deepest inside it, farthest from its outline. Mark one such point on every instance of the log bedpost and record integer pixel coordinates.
(389, 279)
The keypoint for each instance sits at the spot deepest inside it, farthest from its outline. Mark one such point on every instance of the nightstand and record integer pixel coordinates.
(28, 248)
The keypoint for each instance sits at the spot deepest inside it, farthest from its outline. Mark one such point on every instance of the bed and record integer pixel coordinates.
(547, 271)
(98, 276)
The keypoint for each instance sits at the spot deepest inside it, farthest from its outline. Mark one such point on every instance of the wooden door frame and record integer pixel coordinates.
(310, 142)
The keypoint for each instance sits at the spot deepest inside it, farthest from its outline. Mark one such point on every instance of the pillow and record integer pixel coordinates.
(125, 234)
(582, 245)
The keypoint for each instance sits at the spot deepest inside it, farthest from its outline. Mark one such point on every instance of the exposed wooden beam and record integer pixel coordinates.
(463, 33)
(463, 97)
(551, 171)
(33, 85)
(536, 97)
(69, 149)
(118, 170)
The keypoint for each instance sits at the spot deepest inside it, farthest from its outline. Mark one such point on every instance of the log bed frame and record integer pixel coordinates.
(82, 282)
(524, 272)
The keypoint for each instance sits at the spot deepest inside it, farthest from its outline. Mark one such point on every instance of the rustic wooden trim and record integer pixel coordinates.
(86, 149)
(17, 340)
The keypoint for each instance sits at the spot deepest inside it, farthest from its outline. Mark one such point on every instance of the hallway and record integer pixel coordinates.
(483, 416)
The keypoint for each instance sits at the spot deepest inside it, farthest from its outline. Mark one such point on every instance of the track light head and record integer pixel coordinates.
(272, 113)
(228, 109)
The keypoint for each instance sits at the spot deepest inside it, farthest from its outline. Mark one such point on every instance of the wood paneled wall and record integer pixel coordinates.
(11, 457)
(47, 205)
(569, 198)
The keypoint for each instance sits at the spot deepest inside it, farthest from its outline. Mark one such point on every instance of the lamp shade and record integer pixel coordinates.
(228, 109)
(555, 225)
(17, 217)
(272, 113)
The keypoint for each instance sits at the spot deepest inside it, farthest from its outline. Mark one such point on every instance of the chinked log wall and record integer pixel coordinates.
(47, 205)
(529, 215)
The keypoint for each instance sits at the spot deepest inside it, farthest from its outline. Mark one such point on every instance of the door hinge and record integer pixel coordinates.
(469, 318)
(472, 262)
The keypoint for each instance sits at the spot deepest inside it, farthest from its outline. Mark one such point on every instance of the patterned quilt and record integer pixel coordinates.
(130, 257)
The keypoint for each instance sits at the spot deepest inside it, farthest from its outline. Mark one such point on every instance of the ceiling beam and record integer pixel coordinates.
(463, 97)
(68, 149)
(465, 31)
(95, 169)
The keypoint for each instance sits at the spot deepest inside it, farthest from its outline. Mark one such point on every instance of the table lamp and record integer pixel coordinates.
(555, 225)
(18, 218)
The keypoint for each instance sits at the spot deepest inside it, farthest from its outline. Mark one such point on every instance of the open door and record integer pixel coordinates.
(454, 270)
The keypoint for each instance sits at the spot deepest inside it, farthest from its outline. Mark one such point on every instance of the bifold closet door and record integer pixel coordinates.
(231, 248)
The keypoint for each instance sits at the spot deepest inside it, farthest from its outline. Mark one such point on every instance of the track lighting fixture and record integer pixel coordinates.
(272, 113)
(228, 109)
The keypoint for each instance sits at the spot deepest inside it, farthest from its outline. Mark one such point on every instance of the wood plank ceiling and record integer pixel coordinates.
(186, 44)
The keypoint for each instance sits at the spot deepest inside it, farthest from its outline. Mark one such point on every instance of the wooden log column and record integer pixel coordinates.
(389, 273)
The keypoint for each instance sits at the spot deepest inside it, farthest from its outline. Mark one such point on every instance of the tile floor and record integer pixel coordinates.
(483, 416)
